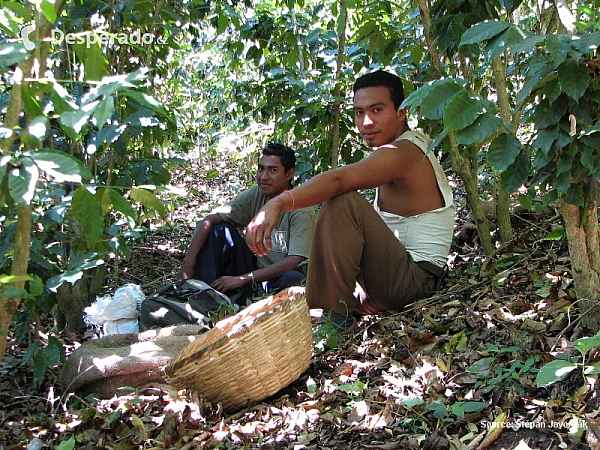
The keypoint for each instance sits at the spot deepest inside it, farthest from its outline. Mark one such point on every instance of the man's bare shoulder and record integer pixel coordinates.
(403, 152)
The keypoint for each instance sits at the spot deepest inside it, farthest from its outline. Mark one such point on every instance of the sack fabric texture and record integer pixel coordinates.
(185, 301)
(104, 366)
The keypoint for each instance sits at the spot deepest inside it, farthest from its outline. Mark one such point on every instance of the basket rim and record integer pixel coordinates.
(240, 327)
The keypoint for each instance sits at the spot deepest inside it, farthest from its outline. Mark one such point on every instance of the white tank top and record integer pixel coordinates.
(427, 236)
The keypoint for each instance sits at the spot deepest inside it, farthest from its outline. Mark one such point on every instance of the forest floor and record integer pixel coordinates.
(454, 371)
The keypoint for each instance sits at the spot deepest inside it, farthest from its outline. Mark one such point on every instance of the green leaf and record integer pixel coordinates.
(546, 115)
(564, 164)
(525, 201)
(574, 78)
(411, 402)
(434, 104)
(44, 359)
(483, 31)
(511, 348)
(94, 61)
(74, 273)
(11, 54)
(588, 158)
(555, 235)
(496, 46)
(32, 104)
(146, 100)
(439, 409)
(110, 85)
(482, 129)
(592, 369)
(460, 408)
(121, 204)
(480, 365)
(38, 126)
(516, 174)
(60, 165)
(68, 444)
(7, 291)
(18, 9)
(88, 211)
(562, 182)
(559, 47)
(109, 134)
(48, 10)
(355, 388)
(503, 151)
(545, 138)
(104, 111)
(416, 97)
(148, 199)
(574, 195)
(457, 341)
(552, 89)
(586, 42)
(554, 371)
(22, 181)
(585, 344)
(438, 139)
(76, 120)
(505, 263)
(222, 21)
(528, 44)
(461, 111)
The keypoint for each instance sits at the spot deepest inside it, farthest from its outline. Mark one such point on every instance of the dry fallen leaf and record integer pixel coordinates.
(495, 430)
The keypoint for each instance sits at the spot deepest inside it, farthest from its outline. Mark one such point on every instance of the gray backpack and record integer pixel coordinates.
(185, 301)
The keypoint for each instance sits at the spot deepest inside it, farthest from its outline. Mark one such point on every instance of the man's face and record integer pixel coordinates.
(271, 175)
(376, 117)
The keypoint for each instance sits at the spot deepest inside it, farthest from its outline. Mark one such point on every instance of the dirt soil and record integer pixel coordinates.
(454, 371)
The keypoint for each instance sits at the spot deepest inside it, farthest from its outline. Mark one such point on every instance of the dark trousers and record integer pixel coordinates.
(226, 253)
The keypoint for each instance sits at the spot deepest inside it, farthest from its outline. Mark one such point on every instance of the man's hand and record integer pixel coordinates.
(225, 284)
(258, 232)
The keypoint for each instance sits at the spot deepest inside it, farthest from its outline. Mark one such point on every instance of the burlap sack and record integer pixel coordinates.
(102, 366)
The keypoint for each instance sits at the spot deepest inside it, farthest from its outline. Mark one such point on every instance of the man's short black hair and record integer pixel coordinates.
(286, 154)
(382, 78)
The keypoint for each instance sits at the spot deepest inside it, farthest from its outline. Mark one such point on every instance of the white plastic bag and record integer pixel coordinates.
(118, 314)
(121, 326)
(125, 304)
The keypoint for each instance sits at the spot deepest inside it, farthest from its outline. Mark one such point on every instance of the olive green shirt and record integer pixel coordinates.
(292, 235)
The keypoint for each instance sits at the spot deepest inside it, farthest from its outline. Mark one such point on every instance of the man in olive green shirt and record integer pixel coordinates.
(218, 254)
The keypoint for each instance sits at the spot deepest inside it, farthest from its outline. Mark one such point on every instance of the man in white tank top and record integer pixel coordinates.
(364, 258)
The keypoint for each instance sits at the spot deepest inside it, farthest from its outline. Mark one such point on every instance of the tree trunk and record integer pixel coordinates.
(584, 251)
(464, 167)
(466, 170)
(502, 198)
(8, 306)
(72, 299)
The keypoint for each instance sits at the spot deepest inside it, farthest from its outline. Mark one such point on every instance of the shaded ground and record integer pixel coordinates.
(455, 371)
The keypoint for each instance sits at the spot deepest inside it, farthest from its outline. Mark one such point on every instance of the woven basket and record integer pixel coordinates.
(250, 356)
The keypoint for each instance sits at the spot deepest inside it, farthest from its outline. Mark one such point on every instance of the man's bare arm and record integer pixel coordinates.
(384, 165)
